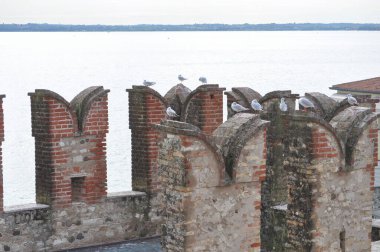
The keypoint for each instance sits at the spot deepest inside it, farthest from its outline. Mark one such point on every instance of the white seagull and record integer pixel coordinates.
(148, 83)
(237, 107)
(305, 103)
(351, 100)
(171, 113)
(256, 105)
(283, 106)
(181, 78)
(203, 80)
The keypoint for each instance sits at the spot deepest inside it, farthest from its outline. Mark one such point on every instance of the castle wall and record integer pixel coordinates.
(205, 212)
(118, 218)
(269, 181)
(202, 107)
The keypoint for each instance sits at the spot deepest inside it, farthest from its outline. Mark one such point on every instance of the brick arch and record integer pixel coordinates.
(83, 104)
(156, 95)
(176, 97)
(325, 105)
(203, 107)
(46, 102)
(247, 94)
(271, 100)
(339, 107)
(241, 95)
(327, 127)
(349, 124)
(191, 136)
(276, 95)
(233, 135)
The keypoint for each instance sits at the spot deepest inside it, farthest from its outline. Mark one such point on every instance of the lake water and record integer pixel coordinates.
(67, 63)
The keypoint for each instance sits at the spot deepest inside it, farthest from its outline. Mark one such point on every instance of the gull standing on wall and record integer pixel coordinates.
(283, 105)
(171, 113)
(256, 105)
(181, 78)
(237, 107)
(351, 100)
(306, 103)
(148, 83)
(203, 80)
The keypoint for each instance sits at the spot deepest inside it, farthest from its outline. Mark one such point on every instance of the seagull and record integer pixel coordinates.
(181, 78)
(305, 103)
(203, 80)
(171, 113)
(256, 105)
(237, 107)
(351, 100)
(148, 83)
(283, 106)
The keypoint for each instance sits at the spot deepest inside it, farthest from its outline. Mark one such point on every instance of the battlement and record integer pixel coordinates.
(317, 174)
(202, 107)
(205, 176)
(271, 180)
(70, 141)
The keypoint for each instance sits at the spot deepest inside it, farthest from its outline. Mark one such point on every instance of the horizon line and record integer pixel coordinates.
(294, 23)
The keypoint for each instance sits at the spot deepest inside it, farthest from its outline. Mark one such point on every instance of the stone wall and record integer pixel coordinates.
(1, 152)
(315, 174)
(267, 181)
(73, 208)
(38, 227)
(212, 185)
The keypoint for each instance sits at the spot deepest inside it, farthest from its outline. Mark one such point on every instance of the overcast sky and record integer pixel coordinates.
(188, 11)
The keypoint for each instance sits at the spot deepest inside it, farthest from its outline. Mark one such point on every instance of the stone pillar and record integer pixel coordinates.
(146, 107)
(70, 146)
(1, 153)
(204, 108)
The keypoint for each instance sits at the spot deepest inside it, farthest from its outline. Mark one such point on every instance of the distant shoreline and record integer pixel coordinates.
(189, 27)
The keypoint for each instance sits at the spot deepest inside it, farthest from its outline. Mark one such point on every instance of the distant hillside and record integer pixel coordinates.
(190, 27)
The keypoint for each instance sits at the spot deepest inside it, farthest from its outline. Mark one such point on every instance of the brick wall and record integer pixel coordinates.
(70, 145)
(203, 107)
(146, 107)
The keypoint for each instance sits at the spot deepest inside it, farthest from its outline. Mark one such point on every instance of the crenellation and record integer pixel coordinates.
(205, 210)
(295, 180)
(66, 137)
(202, 107)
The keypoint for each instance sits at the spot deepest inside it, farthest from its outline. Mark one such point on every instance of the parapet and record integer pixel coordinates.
(270, 101)
(70, 146)
(202, 107)
(205, 176)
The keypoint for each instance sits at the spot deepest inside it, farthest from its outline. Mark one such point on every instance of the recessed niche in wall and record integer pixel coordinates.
(77, 188)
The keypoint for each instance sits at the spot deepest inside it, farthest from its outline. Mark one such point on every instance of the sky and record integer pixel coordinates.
(188, 11)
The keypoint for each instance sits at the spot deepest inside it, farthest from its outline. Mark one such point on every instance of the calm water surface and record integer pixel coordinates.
(67, 63)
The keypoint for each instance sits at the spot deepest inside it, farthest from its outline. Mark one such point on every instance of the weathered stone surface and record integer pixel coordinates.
(40, 228)
(203, 211)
